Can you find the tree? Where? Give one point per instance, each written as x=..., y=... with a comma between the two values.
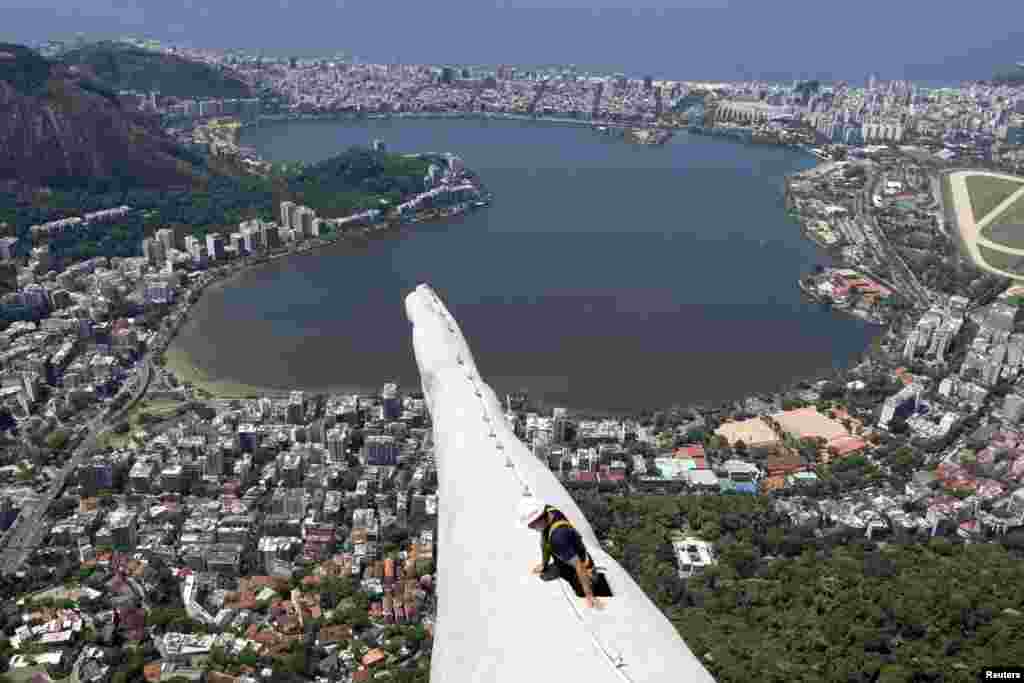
x=424, y=567
x=395, y=535
x=249, y=658
x=57, y=439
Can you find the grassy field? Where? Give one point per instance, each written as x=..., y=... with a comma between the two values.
x=158, y=408
x=161, y=408
x=178, y=362
x=1010, y=263
x=987, y=192
x=1013, y=215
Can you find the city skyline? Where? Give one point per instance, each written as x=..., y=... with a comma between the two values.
x=766, y=43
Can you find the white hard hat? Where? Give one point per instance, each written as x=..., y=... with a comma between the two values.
x=530, y=509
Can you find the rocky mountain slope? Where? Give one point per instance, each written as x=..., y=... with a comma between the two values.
x=126, y=67
x=60, y=127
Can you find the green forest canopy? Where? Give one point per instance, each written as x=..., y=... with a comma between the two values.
x=353, y=180
x=126, y=67
x=23, y=68
x=783, y=605
x=357, y=179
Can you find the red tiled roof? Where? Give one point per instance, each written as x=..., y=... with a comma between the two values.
x=693, y=450
x=989, y=488
x=246, y=600
x=131, y=618
x=374, y=656
x=334, y=634
x=783, y=463
x=266, y=637
x=963, y=483
x=948, y=470
x=846, y=445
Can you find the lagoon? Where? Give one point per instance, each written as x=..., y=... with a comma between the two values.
x=605, y=277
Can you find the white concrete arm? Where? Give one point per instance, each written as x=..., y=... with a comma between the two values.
x=496, y=621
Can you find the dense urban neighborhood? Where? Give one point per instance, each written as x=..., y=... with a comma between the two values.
x=155, y=530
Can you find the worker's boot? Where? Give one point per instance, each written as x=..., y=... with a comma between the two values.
x=551, y=573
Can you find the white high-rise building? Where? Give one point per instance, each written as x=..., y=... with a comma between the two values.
x=1013, y=408
x=286, y=214
x=306, y=218
x=295, y=219
x=336, y=441
x=166, y=238
x=214, y=462
x=215, y=246
x=911, y=392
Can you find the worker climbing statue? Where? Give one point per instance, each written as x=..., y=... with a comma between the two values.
x=563, y=553
x=493, y=621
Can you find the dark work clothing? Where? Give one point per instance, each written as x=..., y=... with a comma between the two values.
x=560, y=540
x=560, y=570
x=561, y=546
x=566, y=545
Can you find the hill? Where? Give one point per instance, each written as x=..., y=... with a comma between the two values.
x=358, y=178
x=59, y=127
x=126, y=67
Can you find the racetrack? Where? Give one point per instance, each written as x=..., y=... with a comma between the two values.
x=970, y=229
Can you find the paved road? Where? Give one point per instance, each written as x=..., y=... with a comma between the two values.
x=887, y=255
x=28, y=529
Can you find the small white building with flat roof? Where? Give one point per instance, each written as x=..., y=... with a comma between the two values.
x=693, y=556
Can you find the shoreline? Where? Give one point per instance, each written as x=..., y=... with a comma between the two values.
x=735, y=134
x=181, y=366
x=177, y=361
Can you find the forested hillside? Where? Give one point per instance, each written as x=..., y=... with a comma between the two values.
x=126, y=67
x=783, y=605
x=356, y=179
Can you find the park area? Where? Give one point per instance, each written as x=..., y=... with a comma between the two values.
x=143, y=414
x=1011, y=215
x=989, y=214
x=987, y=192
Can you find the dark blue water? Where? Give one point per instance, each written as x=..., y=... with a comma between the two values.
x=605, y=276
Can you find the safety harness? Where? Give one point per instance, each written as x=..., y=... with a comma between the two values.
x=556, y=520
